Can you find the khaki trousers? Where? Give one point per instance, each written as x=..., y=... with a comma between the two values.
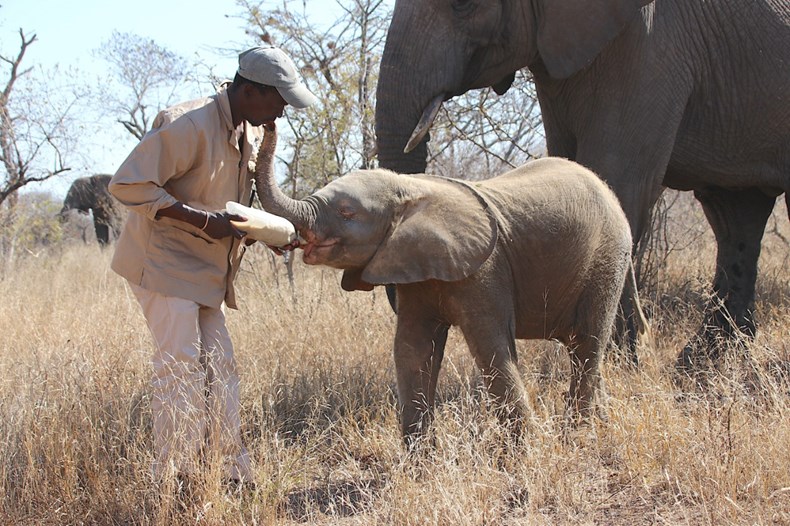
x=195, y=383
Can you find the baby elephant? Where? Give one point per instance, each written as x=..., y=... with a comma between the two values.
x=539, y=252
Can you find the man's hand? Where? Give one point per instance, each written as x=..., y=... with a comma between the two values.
x=216, y=225
x=219, y=225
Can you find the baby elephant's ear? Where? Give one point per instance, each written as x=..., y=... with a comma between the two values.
x=446, y=233
x=352, y=280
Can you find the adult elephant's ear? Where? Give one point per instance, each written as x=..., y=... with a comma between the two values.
x=571, y=33
x=445, y=233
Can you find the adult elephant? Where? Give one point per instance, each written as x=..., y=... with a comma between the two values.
x=91, y=193
x=686, y=94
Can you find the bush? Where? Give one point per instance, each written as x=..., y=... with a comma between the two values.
x=31, y=225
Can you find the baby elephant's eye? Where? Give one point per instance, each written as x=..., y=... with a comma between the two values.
x=347, y=213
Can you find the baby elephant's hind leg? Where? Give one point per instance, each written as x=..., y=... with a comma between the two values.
x=497, y=363
x=585, y=354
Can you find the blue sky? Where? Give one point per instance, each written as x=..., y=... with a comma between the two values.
x=68, y=31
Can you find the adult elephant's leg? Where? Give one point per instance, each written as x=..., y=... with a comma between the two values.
x=636, y=180
x=101, y=223
x=418, y=351
x=738, y=219
x=102, y=232
x=632, y=156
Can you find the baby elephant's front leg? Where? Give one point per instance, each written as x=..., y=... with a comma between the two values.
x=419, y=350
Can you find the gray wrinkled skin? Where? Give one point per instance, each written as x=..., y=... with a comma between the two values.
x=541, y=252
x=687, y=94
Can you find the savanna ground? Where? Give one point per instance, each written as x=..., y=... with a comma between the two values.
x=319, y=409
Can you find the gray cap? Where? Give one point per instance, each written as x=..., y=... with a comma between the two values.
x=270, y=66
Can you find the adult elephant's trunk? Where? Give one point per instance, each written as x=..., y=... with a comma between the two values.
x=392, y=137
x=402, y=94
x=300, y=213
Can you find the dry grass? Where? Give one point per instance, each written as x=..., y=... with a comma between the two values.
x=319, y=418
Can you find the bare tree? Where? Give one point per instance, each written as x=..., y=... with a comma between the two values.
x=35, y=125
x=480, y=134
x=340, y=64
x=477, y=135
x=145, y=77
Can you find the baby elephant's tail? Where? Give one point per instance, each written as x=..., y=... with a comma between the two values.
x=643, y=330
x=637, y=328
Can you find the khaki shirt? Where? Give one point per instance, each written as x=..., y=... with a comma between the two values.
x=191, y=155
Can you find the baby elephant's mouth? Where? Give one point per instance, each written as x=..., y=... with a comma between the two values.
x=315, y=252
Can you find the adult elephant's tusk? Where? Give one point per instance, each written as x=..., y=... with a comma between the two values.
x=428, y=115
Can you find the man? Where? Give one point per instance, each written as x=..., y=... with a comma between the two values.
x=180, y=253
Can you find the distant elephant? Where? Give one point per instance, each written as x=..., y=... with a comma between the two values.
x=90, y=193
x=539, y=252
x=686, y=94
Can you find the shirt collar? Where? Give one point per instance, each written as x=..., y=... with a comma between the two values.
x=224, y=106
x=227, y=117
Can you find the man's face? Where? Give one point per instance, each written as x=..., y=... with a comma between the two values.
x=265, y=105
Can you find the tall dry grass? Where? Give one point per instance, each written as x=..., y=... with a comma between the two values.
x=319, y=418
